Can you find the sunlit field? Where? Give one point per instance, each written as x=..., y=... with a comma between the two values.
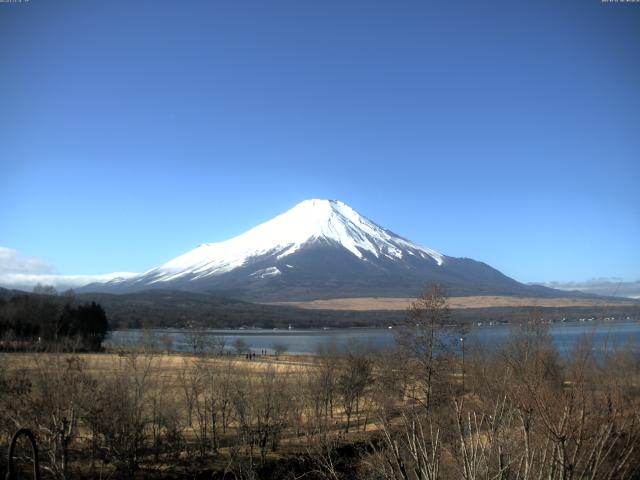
x=422, y=408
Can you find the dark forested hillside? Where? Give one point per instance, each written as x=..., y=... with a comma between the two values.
x=175, y=309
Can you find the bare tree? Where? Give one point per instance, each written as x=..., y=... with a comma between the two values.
x=208, y=403
x=240, y=346
x=196, y=339
x=224, y=393
x=423, y=339
x=217, y=344
x=244, y=410
x=410, y=447
x=279, y=349
x=354, y=378
x=59, y=385
x=321, y=385
x=189, y=381
x=41, y=289
x=123, y=417
x=271, y=402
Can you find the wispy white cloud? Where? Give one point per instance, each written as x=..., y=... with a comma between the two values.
x=21, y=281
x=610, y=287
x=23, y=273
x=12, y=262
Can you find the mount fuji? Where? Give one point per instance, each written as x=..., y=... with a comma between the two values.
x=319, y=249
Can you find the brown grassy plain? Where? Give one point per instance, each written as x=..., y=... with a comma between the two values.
x=170, y=376
x=357, y=415
x=389, y=303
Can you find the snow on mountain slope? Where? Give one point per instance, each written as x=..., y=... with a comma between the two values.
x=309, y=221
x=319, y=249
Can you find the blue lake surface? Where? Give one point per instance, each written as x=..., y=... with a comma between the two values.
x=605, y=336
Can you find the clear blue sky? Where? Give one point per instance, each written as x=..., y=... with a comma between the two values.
x=508, y=132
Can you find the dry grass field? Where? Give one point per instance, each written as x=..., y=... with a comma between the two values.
x=387, y=303
x=172, y=364
x=138, y=412
x=197, y=409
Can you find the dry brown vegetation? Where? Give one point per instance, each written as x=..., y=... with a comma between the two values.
x=421, y=412
x=389, y=303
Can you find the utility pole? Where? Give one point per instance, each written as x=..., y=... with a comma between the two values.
x=462, y=343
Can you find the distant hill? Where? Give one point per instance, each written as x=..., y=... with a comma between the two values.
x=6, y=294
x=163, y=308
x=179, y=309
x=166, y=308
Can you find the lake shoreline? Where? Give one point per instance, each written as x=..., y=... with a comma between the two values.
x=309, y=341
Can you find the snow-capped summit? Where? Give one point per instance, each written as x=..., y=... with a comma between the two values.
x=317, y=249
x=309, y=221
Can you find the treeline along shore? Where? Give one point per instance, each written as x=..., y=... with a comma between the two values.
x=43, y=320
x=175, y=309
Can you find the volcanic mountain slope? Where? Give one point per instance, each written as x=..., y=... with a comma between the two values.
x=320, y=249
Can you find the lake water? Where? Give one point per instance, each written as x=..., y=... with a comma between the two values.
x=606, y=335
